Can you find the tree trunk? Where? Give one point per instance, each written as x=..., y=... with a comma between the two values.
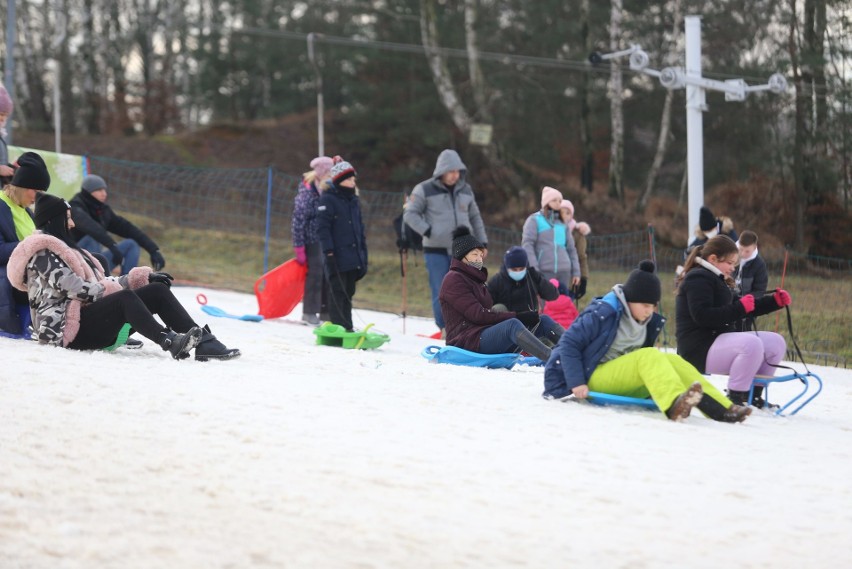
x=90, y=82
x=504, y=176
x=587, y=170
x=665, y=121
x=616, y=158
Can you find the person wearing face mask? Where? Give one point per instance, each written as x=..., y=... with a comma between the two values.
x=519, y=287
x=467, y=307
x=610, y=349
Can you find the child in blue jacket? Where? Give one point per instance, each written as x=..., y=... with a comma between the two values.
x=610, y=349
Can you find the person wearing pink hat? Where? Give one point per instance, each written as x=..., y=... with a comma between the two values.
x=306, y=243
x=549, y=243
x=579, y=230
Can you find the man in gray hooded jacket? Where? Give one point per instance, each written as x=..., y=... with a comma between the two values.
x=437, y=207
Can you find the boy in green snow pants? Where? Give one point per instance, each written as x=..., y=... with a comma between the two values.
x=609, y=349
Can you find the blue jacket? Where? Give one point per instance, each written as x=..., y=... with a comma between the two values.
x=341, y=231
x=8, y=241
x=585, y=342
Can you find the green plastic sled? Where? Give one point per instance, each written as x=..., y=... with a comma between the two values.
x=335, y=335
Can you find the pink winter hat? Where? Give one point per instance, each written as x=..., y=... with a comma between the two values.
x=6, y=105
x=566, y=204
x=321, y=165
x=549, y=194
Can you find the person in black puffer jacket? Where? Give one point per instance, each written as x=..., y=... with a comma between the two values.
x=707, y=312
x=518, y=287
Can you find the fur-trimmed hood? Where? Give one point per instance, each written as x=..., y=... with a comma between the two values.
x=67, y=308
x=583, y=228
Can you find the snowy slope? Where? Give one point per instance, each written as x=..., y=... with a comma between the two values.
x=299, y=455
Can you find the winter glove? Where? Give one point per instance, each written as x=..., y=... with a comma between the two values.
x=580, y=289
x=117, y=257
x=748, y=303
x=782, y=297
x=301, y=258
x=331, y=264
x=427, y=233
x=164, y=278
x=157, y=261
x=529, y=318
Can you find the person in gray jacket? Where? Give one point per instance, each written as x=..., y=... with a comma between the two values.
x=437, y=207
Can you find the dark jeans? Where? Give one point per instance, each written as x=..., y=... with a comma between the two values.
x=341, y=288
x=316, y=285
x=500, y=338
x=101, y=321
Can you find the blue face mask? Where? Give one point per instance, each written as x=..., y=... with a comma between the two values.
x=518, y=275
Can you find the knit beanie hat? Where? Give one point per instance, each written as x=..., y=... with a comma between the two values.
x=47, y=207
x=566, y=204
x=341, y=170
x=515, y=257
x=549, y=194
x=6, y=105
x=321, y=165
x=706, y=219
x=92, y=183
x=643, y=285
x=31, y=173
x=464, y=242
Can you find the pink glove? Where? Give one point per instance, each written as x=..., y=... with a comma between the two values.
x=748, y=303
x=301, y=258
x=782, y=297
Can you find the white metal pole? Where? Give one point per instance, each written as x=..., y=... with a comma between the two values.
x=9, y=77
x=695, y=105
x=320, y=103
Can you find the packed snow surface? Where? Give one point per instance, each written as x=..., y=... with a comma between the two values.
x=299, y=455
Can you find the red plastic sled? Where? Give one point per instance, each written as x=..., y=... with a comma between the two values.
x=281, y=289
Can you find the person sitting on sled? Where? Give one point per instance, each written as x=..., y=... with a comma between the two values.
x=74, y=305
x=467, y=307
x=610, y=349
x=518, y=287
x=708, y=311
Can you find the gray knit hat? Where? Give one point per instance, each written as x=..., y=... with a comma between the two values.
x=92, y=183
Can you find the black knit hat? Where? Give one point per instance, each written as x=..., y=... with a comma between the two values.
x=48, y=207
x=643, y=285
x=31, y=173
x=706, y=219
x=464, y=242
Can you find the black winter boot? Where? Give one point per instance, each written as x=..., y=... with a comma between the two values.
x=179, y=345
x=758, y=401
x=527, y=341
x=209, y=348
x=716, y=411
x=683, y=405
x=738, y=397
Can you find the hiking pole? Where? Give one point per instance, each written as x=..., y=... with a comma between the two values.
x=783, y=274
x=403, y=261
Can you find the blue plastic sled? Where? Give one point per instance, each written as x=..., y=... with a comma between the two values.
x=214, y=311
x=608, y=399
x=458, y=356
x=804, y=378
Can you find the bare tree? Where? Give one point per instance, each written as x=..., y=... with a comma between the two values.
x=587, y=170
x=665, y=120
x=462, y=119
x=616, y=154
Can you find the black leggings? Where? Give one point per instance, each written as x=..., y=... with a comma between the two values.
x=101, y=321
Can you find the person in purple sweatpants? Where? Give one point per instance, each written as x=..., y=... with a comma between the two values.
x=707, y=311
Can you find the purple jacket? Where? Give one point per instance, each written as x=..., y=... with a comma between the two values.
x=305, y=215
x=466, y=305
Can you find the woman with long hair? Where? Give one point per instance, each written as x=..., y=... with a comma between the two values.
x=74, y=305
x=707, y=310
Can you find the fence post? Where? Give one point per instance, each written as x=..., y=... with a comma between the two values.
x=268, y=219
